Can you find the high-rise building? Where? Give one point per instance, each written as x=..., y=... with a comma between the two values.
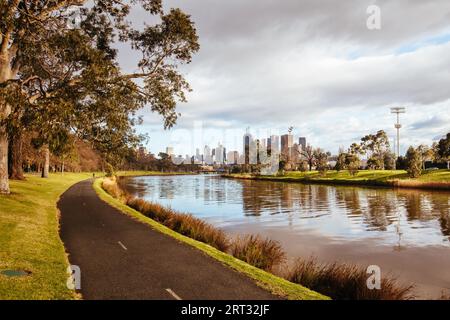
x=219, y=152
x=302, y=142
x=287, y=141
x=273, y=144
x=207, y=157
x=248, y=141
x=232, y=157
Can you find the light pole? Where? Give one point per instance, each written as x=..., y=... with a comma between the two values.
x=397, y=111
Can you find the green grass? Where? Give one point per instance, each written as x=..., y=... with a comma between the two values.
x=29, y=238
x=429, y=179
x=270, y=282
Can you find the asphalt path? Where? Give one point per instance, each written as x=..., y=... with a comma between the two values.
x=121, y=258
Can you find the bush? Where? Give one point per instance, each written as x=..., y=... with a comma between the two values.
x=259, y=252
x=344, y=281
x=236, y=169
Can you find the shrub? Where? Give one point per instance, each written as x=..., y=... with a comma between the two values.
x=109, y=170
x=259, y=252
x=413, y=163
x=344, y=281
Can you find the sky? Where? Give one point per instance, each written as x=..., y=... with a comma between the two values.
x=267, y=65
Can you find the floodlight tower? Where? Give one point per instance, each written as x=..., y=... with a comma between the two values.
x=397, y=111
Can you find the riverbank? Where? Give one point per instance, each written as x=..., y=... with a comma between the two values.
x=430, y=180
x=338, y=280
x=29, y=238
x=150, y=173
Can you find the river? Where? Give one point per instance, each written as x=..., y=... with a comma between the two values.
x=405, y=232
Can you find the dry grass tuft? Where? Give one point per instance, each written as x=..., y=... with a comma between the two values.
x=344, y=281
x=261, y=253
x=186, y=224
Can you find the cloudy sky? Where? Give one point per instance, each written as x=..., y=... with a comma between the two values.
x=314, y=65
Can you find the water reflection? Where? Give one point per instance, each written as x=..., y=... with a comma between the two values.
x=393, y=217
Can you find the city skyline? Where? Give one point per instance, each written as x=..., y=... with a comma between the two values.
x=209, y=155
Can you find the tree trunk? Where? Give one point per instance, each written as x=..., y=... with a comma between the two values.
x=46, y=167
x=4, y=182
x=5, y=111
x=16, y=156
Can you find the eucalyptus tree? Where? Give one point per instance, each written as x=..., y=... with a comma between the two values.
x=43, y=58
x=376, y=146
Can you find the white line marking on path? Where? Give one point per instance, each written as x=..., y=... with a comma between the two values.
x=173, y=294
x=121, y=244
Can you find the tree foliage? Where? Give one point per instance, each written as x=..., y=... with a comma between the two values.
x=413, y=162
x=64, y=78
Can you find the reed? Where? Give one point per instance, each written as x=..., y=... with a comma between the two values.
x=344, y=281
x=186, y=224
x=259, y=252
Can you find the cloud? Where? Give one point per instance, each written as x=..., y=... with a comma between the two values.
x=434, y=121
x=314, y=65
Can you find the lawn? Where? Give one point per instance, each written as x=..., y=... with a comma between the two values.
x=29, y=238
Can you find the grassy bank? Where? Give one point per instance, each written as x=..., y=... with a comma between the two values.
x=149, y=173
x=434, y=180
x=29, y=238
x=274, y=284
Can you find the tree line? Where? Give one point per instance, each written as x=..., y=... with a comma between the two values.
x=376, y=149
x=61, y=82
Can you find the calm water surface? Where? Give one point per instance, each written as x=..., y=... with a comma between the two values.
x=405, y=232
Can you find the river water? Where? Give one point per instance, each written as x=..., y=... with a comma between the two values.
x=405, y=232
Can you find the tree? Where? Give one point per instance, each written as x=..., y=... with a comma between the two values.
x=321, y=160
x=443, y=149
x=389, y=161
x=413, y=162
x=426, y=153
x=352, y=163
x=340, y=161
x=37, y=60
x=376, y=146
x=308, y=156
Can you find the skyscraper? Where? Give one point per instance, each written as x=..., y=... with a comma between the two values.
x=302, y=142
x=207, y=155
x=219, y=154
x=273, y=144
x=248, y=141
x=287, y=141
